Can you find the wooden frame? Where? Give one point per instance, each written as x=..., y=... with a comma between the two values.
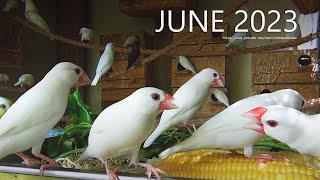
x=10, y=44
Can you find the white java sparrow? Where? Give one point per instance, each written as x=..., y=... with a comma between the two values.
x=105, y=63
x=29, y=119
x=121, y=128
x=298, y=130
x=131, y=40
x=227, y=129
x=238, y=38
x=190, y=97
x=37, y=20
x=221, y=96
x=86, y=34
x=4, y=79
x=4, y=105
x=25, y=80
x=184, y=61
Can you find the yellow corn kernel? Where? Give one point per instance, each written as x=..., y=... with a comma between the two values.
x=212, y=164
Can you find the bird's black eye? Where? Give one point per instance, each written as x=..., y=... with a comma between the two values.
x=3, y=106
x=215, y=75
x=78, y=71
x=155, y=96
x=272, y=123
x=302, y=103
x=214, y=98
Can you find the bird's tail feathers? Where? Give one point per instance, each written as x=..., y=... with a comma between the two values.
x=185, y=145
x=84, y=156
x=155, y=134
x=171, y=150
x=18, y=83
x=95, y=80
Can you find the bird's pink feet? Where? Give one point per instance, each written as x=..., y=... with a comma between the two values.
x=233, y=153
x=111, y=173
x=267, y=157
x=151, y=170
x=28, y=160
x=51, y=163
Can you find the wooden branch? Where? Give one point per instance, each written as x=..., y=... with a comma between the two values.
x=157, y=54
x=272, y=47
x=74, y=42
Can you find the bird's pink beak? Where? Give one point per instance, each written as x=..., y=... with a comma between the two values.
x=255, y=127
x=219, y=82
x=256, y=115
x=168, y=103
x=83, y=79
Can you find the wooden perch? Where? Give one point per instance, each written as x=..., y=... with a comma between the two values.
x=219, y=52
x=71, y=41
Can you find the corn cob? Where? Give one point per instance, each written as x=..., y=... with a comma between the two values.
x=210, y=164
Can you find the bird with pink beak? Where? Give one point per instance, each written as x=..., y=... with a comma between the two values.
x=190, y=98
x=226, y=130
x=38, y=110
x=298, y=130
x=121, y=128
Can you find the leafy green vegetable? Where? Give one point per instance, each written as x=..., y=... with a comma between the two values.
x=75, y=134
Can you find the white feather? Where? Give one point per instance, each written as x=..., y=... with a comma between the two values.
x=25, y=80
x=190, y=97
x=86, y=34
x=221, y=96
x=184, y=61
x=121, y=128
x=37, y=20
x=28, y=120
x=30, y=6
x=298, y=130
x=226, y=129
x=105, y=63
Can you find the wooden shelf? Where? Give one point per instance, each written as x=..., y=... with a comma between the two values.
x=12, y=89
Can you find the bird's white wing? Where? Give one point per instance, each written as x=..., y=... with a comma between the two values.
x=105, y=63
x=222, y=97
x=30, y=6
x=187, y=64
x=22, y=115
x=37, y=20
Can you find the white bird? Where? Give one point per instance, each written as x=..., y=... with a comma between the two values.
x=105, y=63
x=190, y=97
x=10, y=5
x=4, y=105
x=298, y=130
x=29, y=119
x=37, y=20
x=121, y=128
x=4, y=79
x=130, y=41
x=30, y=6
x=238, y=38
x=227, y=130
x=221, y=96
x=25, y=80
x=86, y=34
x=184, y=61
